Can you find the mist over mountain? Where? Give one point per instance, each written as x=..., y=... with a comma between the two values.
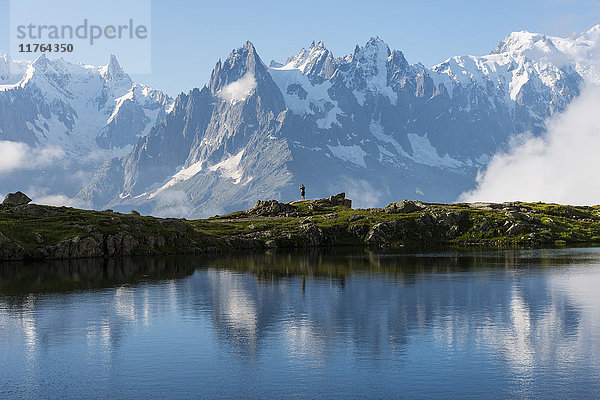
x=368, y=123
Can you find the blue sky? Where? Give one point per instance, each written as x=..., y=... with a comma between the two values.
x=188, y=37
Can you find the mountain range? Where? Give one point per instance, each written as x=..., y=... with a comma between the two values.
x=60, y=121
x=369, y=123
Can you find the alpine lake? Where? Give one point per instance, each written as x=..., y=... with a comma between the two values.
x=349, y=323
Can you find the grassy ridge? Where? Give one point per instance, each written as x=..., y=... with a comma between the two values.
x=37, y=232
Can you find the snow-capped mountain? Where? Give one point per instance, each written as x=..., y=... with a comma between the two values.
x=81, y=114
x=368, y=123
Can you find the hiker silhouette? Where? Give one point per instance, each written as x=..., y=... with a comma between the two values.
x=302, y=191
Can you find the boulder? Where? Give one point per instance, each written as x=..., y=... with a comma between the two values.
x=15, y=199
x=340, y=200
x=270, y=208
x=405, y=206
x=331, y=201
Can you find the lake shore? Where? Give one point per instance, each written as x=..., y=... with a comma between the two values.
x=37, y=232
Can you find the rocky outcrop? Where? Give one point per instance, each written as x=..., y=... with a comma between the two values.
x=15, y=199
x=10, y=250
x=30, y=231
x=117, y=245
x=333, y=201
x=271, y=208
x=386, y=233
x=405, y=206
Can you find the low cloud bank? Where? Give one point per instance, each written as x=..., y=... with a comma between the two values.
x=17, y=155
x=561, y=166
x=60, y=200
x=173, y=204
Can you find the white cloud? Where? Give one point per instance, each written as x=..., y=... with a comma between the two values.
x=362, y=193
x=47, y=155
x=12, y=155
x=238, y=90
x=44, y=196
x=561, y=166
x=17, y=155
x=173, y=204
x=60, y=200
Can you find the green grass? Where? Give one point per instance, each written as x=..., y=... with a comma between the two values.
x=450, y=224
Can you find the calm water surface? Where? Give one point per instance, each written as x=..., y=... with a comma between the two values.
x=476, y=324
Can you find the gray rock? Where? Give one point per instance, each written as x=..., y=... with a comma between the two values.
x=270, y=208
x=271, y=244
x=39, y=239
x=405, y=206
x=312, y=236
x=384, y=233
x=516, y=229
x=15, y=199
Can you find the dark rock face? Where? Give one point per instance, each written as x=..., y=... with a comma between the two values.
x=10, y=250
x=96, y=244
x=15, y=199
x=383, y=233
x=427, y=226
x=313, y=236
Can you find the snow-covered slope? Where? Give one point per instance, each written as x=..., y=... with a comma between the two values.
x=87, y=114
x=368, y=123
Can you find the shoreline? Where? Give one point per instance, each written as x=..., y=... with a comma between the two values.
x=36, y=232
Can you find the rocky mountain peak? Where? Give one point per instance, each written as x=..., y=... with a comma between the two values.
x=316, y=61
x=242, y=62
x=113, y=71
x=319, y=45
x=372, y=57
x=377, y=125
x=374, y=45
x=41, y=62
x=9, y=68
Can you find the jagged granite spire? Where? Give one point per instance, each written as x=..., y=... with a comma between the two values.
x=113, y=71
x=316, y=61
x=240, y=62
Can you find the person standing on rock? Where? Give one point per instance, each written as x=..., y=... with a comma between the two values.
x=302, y=192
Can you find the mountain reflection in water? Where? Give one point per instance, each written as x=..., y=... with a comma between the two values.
x=512, y=323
